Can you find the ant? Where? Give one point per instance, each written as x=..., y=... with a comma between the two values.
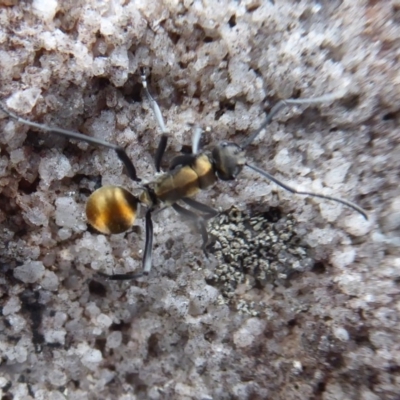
x=113, y=209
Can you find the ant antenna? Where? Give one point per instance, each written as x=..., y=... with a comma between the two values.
x=78, y=136
x=290, y=102
x=321, y=196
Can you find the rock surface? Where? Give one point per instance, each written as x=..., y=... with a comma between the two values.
x=326, y=327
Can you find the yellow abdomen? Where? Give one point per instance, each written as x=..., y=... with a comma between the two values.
x=111, y=209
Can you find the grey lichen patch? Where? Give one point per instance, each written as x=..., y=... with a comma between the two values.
x=254, y=250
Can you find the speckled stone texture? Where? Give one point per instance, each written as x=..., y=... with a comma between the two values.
x=325, y=328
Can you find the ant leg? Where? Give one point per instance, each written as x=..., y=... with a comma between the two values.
x=121, y=277
x=290, y=102
x=199, y=221
x=147, y=255
x=196, y=139
x=204, y=208
x=159, y=118
x=186, y=159
x=148, y=248
x=78, y=136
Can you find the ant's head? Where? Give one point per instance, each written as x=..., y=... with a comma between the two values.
x=229, y=160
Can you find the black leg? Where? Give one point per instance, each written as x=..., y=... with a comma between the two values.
x=148, y=248
x=199, y=221
x=147, y=255
x=204, y=208
x=185, y=159
x=121, y=277
x=78, y=136
x=162, y=145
